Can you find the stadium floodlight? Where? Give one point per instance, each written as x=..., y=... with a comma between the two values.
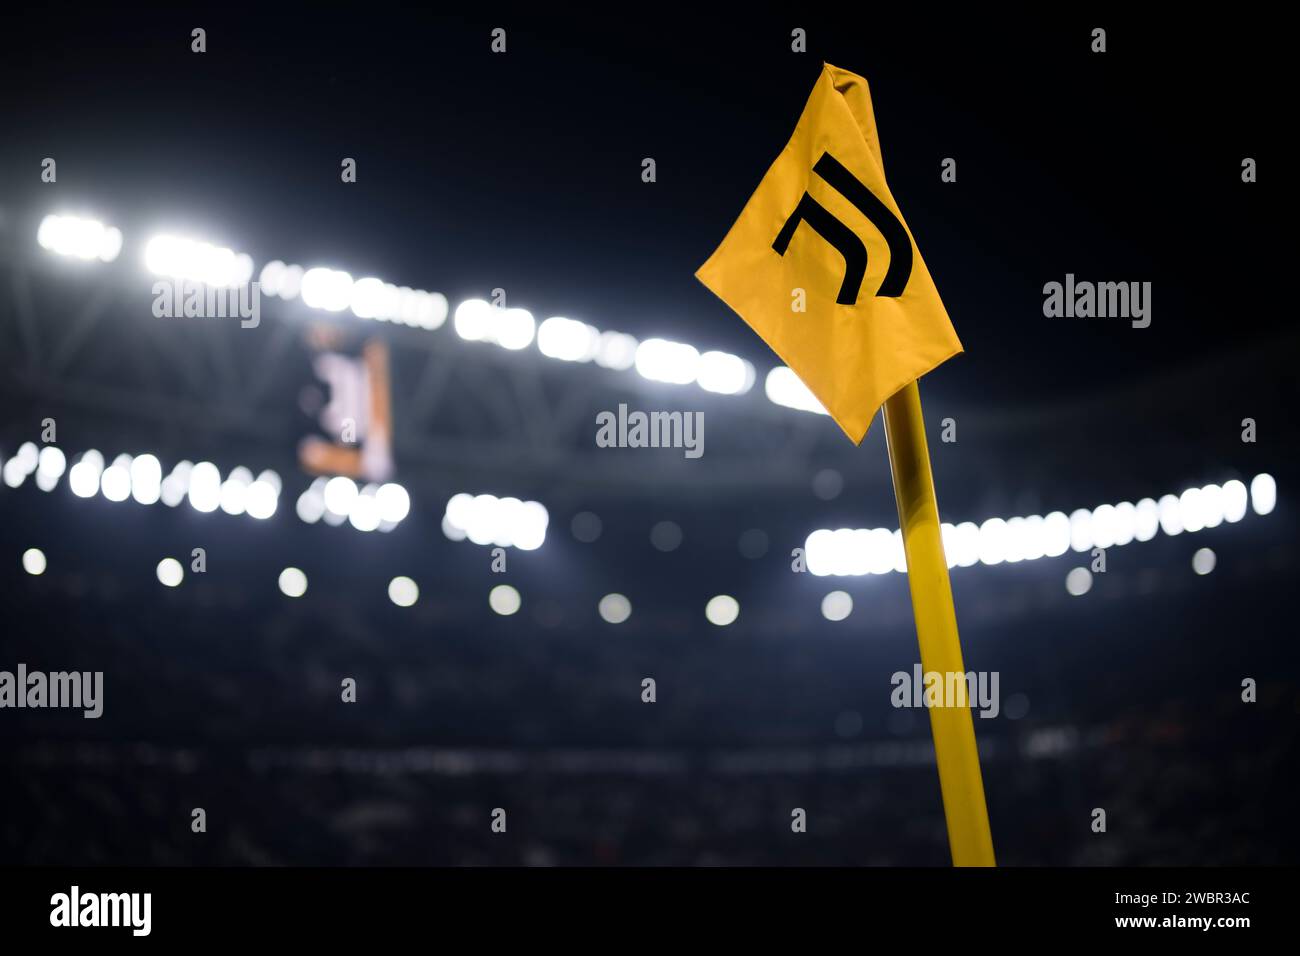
x=1235, y=501
x=363, y=512
x=1016, y=540
x=83, y=477
x=887, y=551
x=1263, y=494
x=850, y=551
x=1190, y=510
x=311, y=503
x=14, y=473
x=291, y=282
x=419, y=308
x=459, y=509
x=1146, y=520
x=170, y=573
x=431, y=309
x=281, y=280
x=472, y=320
x=1056, y=534
x=1081, y=530
x=269, y=476
x=28, y=457
x=394, y=502
x=617, y=351
x=479, y=321
x=530, y=533
x=79, y=238
x=660, y=360
x=725, y=374
x=177, y=484
x=614, y=608
x=268, y=280
x=402, y=591
x=407, y=307
x=965, y=544
x=1078, y=582
x=1211, y=506
x=837, y=605
x=293, y=583
x=1203, y=561
x=514, y=329
x=115, y=482
x=1104, y=526
x=1171, y=518
x=339, y=493
x=504, y=522
x=51, y=461
x=34, y=561
x=508, y=521
x=722, y=610
x=371, y=299
x=568, y=340
x=234, y=491
x=262, y=499
x=205, y=487
x=1125, y=523
x=310, y=507
x=484, y=525
x=783, y=387
x=853, y=550
x=25, y=461
x=146, y=479
x=819, y=552
x=899, y=552
x=327, y=289
x=993, y=541
x=504, y=600
x=182, y=258
x=1036, y=540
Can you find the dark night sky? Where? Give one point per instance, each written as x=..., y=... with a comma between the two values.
x=522, y=171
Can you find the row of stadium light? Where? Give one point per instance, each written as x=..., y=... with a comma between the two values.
x=141, y=478
x=503, y=599
x=721, y=610
x=372, y=507
x=79, y=238
x=502, y=522
x=475, y=320
x=482, y=519
x=859, y=551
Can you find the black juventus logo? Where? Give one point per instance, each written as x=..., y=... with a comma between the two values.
x=845, y=240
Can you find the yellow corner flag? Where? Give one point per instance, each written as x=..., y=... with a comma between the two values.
x=821, y=265
x=823, y=268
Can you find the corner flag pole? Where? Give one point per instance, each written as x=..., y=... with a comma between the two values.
x=969, y=837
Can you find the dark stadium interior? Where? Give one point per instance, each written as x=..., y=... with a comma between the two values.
x=523, y=172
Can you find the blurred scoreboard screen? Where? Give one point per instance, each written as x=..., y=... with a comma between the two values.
x=348, y=406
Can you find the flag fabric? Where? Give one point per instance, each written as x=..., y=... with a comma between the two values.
x=822, y=266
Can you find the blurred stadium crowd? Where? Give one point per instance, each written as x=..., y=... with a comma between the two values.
x=225, y=696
